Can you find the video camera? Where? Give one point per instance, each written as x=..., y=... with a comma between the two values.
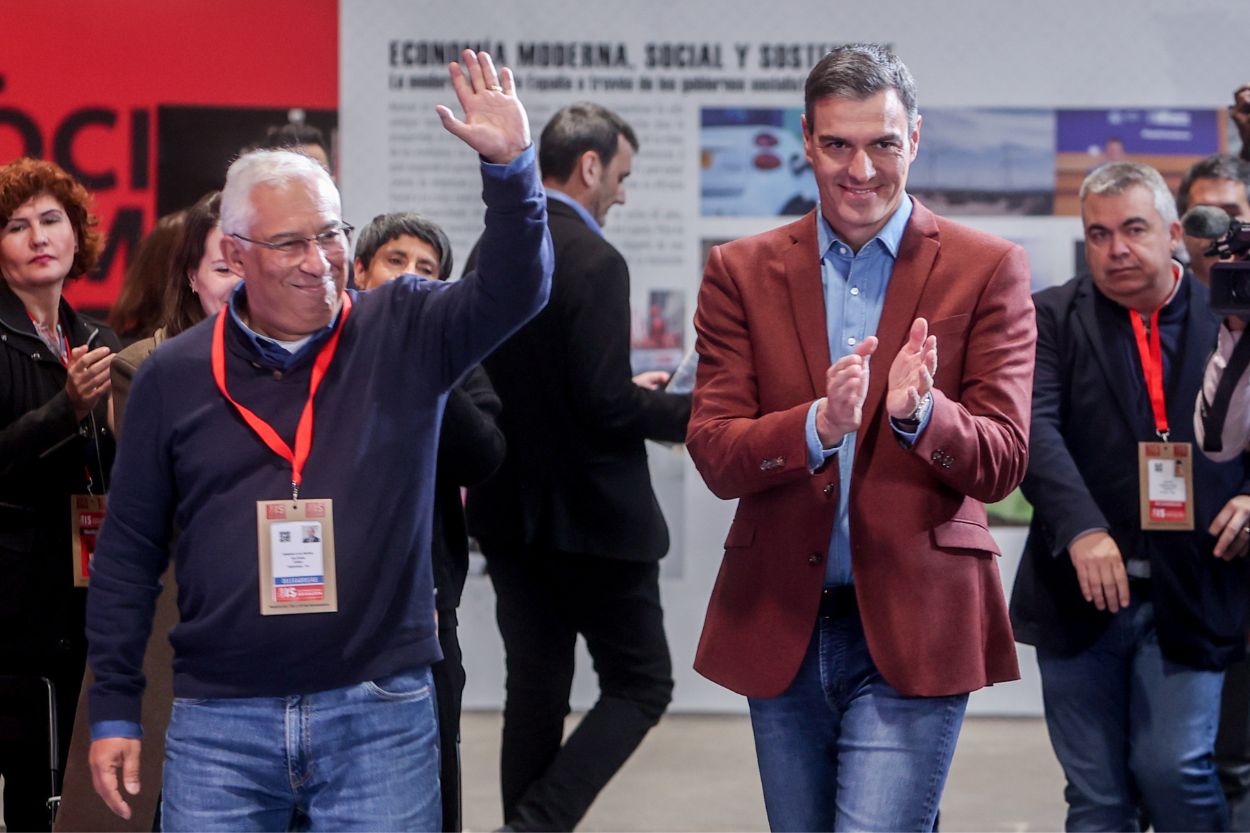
x=1230, y=277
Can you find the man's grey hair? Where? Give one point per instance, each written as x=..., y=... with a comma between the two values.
x=1117, y=177
x=1217, y=166
x=858, y=71
x=262, y=167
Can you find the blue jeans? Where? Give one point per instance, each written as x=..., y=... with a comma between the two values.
x=841, y=749
x=363, y=757
x=1134, y=731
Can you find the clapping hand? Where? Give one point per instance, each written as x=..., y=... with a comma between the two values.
x=912, y=372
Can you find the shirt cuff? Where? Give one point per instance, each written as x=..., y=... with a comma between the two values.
x=116, y=729
x=817, y=454
x=498, y=171
x=910, y=437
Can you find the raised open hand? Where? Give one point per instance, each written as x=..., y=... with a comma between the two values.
x=494, y=124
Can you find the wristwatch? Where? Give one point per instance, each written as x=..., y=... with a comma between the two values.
x=912, y=421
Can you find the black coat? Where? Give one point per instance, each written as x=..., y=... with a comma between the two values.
x=1083, y=474
x=470, y=449
x=575, y=477
x=46, y=455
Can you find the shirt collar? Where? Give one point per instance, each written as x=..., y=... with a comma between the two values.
x=890, y=236
x=560, y=196
x=273, y=354
x=1174, y=306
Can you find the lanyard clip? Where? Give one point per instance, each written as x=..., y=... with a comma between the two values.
x=294, y=490
x=1163, y=435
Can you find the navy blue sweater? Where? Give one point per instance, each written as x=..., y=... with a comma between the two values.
x=189, y=461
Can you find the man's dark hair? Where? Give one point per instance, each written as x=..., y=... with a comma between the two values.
x=858, y=71
x=1217, y=166
x=575, y=129
x=291, y=136
x=384, y=228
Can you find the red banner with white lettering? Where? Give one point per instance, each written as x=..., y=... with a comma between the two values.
x=146, y=102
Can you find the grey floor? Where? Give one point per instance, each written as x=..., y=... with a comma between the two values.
x=697, y=772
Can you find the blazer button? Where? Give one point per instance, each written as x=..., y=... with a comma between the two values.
x=813, y=559
x=828, y=490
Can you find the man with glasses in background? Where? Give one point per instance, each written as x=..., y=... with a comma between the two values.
x=302, y=667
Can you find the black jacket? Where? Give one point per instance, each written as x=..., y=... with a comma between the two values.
x=1089, y=413
x=575, y=477
x=470, y=449
x=46, y=455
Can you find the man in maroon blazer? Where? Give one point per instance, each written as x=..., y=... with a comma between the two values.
x=863, y=389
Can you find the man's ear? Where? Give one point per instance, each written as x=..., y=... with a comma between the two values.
x=232, y=253
x=1176, y=233
x=362, y=276
x=807, y=140
x=589, y=168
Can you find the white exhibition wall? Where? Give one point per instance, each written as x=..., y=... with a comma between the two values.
x=1018, y=100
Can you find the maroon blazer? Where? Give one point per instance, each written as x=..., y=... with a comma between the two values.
x=926, y=579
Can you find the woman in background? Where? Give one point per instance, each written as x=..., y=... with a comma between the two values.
x=139, y=306
x=198, y=284
x=54, y=443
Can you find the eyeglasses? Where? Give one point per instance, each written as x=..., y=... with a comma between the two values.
x=331, y=241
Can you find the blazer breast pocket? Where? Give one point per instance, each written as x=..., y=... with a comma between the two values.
x=954, y=325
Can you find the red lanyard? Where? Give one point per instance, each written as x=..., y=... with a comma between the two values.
x=1151, y=351
x=304, y=433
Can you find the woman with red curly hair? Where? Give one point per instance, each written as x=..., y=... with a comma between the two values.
x=54, y=444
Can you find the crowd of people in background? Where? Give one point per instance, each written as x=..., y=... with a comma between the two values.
x=271, y=615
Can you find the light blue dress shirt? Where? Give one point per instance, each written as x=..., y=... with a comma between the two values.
x=854, y=285
x=560, y=196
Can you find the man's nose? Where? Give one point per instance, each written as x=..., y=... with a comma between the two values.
x=315, y=261
x=861, y=167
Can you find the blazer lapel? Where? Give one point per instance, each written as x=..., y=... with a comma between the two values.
x=807, y=301
x=1097, y=319
x=916, y=254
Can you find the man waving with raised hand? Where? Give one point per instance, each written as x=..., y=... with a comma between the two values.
x=302, y=667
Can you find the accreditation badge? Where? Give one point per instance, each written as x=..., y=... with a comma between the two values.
x=86, y=516
x=1166, y=475
x=295, y=542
